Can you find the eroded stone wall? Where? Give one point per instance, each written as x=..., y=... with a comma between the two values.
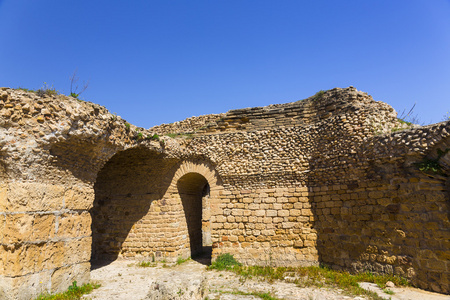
x=52, y=148
x=327, y=179
x=334, y=182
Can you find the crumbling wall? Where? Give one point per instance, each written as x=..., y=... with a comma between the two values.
x=266, y=214
x=52, y=148
x=327, y=179
x=383, y=214
x=189, y=125
x=331, y=179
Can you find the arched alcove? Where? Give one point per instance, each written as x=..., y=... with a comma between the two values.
x=128, y=211
x=194, y=192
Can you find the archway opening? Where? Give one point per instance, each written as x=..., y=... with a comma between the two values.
x=123, y=222
x=194, y=192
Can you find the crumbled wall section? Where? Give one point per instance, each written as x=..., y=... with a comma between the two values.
x=52, y=148
x=189, y=125
x=332, y=179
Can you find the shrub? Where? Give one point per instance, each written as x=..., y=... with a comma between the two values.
x=318, y=95
x=224, y=262
x=47, y=90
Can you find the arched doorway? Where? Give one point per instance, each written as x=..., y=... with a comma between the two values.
x=194, y=191
x=196, y=186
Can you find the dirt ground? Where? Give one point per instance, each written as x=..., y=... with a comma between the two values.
x=124, y=279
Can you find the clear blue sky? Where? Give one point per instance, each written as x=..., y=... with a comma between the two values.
x=155, y=62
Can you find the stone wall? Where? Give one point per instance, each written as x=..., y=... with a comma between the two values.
x=52, y=148
x=329, y=179
x=189, y=125
x=340, y=186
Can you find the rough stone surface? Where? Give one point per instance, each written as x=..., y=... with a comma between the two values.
x=331, y=179
x=185, y=283
x=124, y=280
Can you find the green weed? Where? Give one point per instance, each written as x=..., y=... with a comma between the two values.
x=154, y=137
x=44, y=90
x=146, y=264
x=73, y=292
x=224, y=261
x=431, y=165
x=181, y=135
x=318, y=95
x=26, y=90
x=321, y=276
x=139, y=136
x=401, y=121
x=388, y=291
x=182, y=260
x=264, y=296
x=47, y=90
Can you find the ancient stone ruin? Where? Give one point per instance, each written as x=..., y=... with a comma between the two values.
x=334, y=179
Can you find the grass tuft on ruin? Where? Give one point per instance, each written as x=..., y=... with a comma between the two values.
x=74, y=292
x=318, y=276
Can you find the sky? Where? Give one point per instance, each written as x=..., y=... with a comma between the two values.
x=161, y=61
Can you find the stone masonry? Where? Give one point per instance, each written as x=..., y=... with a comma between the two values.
x=334, y=179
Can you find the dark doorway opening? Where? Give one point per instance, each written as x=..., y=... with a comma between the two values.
x=194, y=191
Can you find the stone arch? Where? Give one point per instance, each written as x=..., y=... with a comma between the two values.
x=196, y=185
x=129, y=208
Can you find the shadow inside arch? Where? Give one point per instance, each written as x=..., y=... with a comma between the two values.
x=125, y=188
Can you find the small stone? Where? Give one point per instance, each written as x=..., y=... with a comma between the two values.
x=45, y=111
x=390, y=284
x=26, y=107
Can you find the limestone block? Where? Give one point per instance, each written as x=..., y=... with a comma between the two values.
x=3, y=196
x=2, y=228
x=24, y=287
x=21, y=259
x=295, y=212
x=74, y=225
x=79, y=198
x=283, y=213
x=26, y=196
x=77, y=250
x=56, y=255
x=260, y=213
x=43, y=227
x=177, y=285
x=63, y=277
x=18, y=228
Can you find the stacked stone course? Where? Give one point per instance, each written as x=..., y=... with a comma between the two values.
x=328, y=179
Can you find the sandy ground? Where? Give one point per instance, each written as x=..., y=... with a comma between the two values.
x=124, y=279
